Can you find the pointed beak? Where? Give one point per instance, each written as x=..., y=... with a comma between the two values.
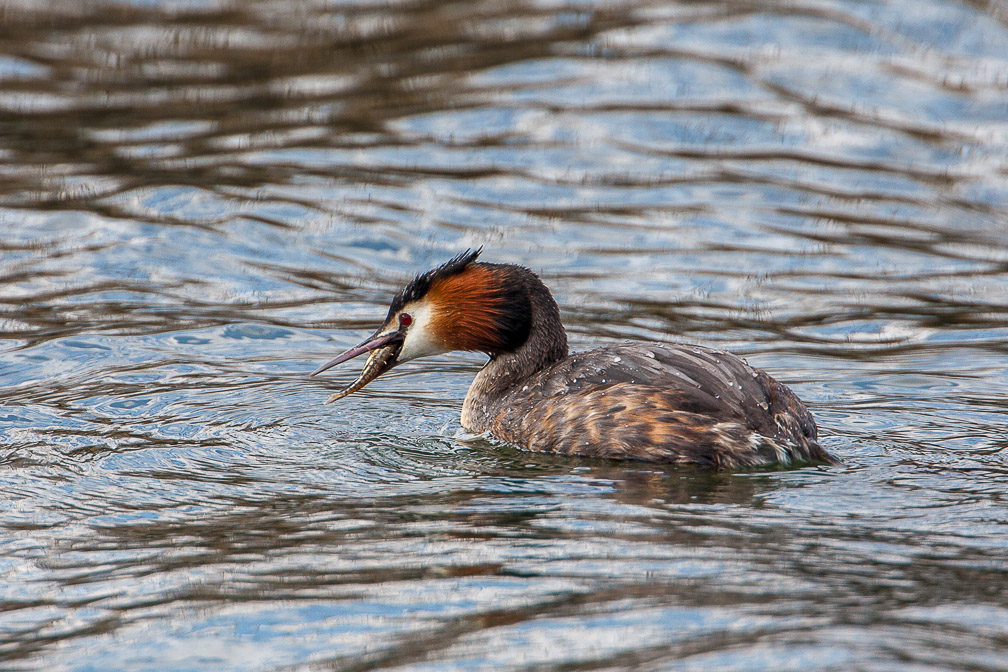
x=383, y=349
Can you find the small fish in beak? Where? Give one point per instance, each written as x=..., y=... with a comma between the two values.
x=383, y=352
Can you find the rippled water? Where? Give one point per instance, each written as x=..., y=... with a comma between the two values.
x=201, y=202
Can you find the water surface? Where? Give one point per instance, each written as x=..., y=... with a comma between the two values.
x=200, y=202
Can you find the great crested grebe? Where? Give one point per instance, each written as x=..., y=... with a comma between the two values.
x=673, y=403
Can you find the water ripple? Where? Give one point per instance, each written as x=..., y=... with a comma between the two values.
x=200, y=202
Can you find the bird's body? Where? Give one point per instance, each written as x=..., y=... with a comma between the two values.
x=653, y=402
x=656, y=402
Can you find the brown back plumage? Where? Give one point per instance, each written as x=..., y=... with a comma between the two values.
x=658, y=403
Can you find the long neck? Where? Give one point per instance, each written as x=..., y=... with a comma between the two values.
x=546, y=343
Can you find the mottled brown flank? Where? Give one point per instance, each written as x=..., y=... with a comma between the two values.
x=675, y=404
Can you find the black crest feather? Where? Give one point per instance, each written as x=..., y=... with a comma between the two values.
x=420, y=285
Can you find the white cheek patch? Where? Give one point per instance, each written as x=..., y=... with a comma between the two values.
x=421, y=341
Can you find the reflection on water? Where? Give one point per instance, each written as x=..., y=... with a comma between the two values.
x=200, y=202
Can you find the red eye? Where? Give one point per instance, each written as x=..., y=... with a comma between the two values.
x=405, y=319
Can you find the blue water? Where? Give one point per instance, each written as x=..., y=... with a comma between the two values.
x=199, y=204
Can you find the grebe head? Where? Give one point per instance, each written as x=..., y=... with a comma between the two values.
x=460, y=305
